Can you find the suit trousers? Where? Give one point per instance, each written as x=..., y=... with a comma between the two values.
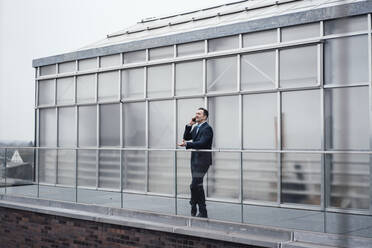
x=197, y=191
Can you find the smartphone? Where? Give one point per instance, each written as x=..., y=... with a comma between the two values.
x=194, y=119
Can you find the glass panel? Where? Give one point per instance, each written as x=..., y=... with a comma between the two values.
x=109, y=169
x=186, y=109
x=86, y=88
x=134, y=166
x=134, y=117
x=222, y=74
x=349, y=180
x=225, y=124
x=99, y=197
x=184, y=175
x=161, y=53
x=190, y=48
x=298, y=67
x=159, y=81
x=88, y=126
x=260, y=121
x=47, y=166
x=345, y=25
x=258, y=71
x=66, y=167
x=347, y=223
x=347, y=118
x=158, y=204
x=108, y=86
x=260, y=176
x=110, y=60
x=134, y=57
x=67, y=67
x=350, y=65
x=66, y=127
x=299, y=32
x=189, y=78
x=65, y=90
x=109, y=125
x=301, y=178
x=223, y=176
x=161, y=133
x=224, y=43
x=47, y=70
x=20, y=172
x=87, y=64
x=87, y=168
x=260, y=38
x=301, y=120
x=46, y=92
x=48, y=127
x=132, y=81
x=161, y=172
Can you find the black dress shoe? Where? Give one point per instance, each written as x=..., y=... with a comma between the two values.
x=202, y=215
x=193, y=210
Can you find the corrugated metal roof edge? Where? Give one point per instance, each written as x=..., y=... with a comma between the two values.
x=302, y=17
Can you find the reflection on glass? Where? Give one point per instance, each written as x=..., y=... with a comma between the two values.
x=260, y=176
x=223, y=176
x=301, y=178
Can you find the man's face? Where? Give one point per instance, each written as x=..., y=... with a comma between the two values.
x=200, y=117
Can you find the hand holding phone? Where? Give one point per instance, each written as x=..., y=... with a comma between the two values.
x=193, y=121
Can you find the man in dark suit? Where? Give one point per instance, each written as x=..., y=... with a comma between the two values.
x=201, y=136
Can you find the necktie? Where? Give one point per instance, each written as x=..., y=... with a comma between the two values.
x=197, y=128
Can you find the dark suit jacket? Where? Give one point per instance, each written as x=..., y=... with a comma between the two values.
x=201, y=140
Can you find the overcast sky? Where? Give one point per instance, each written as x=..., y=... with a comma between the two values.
x=32, y=29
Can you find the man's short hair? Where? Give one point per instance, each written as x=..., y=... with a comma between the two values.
x=205, y=112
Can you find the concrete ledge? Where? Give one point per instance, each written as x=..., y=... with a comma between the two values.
x=254, y=235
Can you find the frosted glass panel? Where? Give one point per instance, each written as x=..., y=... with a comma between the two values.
x=347, y=118
x=134, y=166
x=224, y=119
x=47, y=70
x=186, y=109
x=301, y=32
x=161, y=172
x=87, y=168
x=301, y=178
x=109, y=169
x=190, y=48
x=260, y=176
x=350, y=65
x=260, y=38
x=67, y=67
x=48, y=127
x=65, y=90
x=159, y=81
x=189, y=78
x=135, y=57
x=298, y=67
x=260, y=121
x=161, y=119
x=183, y=173
x=349, y=180
x=132, y=81
x=223, y=176
x=346, y=25
x=258, y=71
x=66, y=127
x=46, y=92
x=66, y=167
x=86, y=88
x=47, y=166
x=108, y=86
x=111, y=60
x=88, y=126
x=222, y=74
x=161, y=53
x=87, y=64
x=224, y=43
x=134, y=116
x=301, y=119
x=109, y=125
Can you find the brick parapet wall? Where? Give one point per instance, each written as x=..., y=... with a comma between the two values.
x=20, y=228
